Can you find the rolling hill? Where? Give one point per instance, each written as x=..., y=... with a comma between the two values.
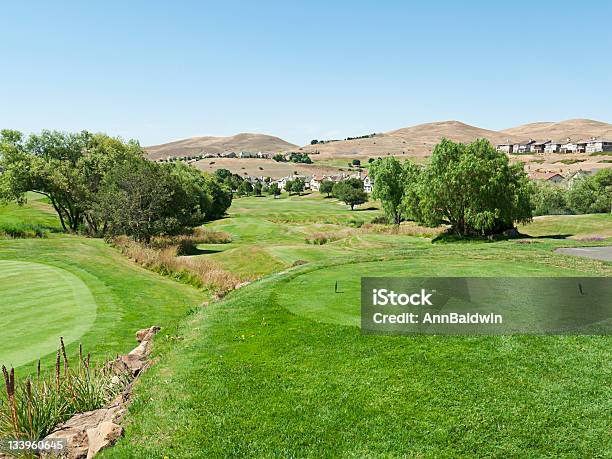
x=412, y=141
x=576, y=129
x=236, y=143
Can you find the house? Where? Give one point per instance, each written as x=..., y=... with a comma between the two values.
x=507, y=147
x=262, y=155
x=522, y=147
x=368, y=184
x=539, y=146
x=552, y=177
x=574, y=147
x=553, y=147
x=598, y=145
x=579, y=174
x=227, y=154
x=315, y=182
x=246, y=154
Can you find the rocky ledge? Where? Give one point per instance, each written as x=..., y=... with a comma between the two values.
x=88, y=433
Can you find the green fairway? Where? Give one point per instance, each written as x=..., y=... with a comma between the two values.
x=280, y=368
x=42, y=303
x=323, y=304
x=574, y=226
x=79, y=288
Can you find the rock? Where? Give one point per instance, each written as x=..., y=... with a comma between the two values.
x=143, y=334
x=105, y=434
x=88, y=433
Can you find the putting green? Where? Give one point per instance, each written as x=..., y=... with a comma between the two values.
x=313, y=294
x=40, y=303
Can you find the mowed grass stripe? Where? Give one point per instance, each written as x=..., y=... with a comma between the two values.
x=42, y=303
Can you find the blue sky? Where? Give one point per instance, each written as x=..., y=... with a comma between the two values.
x=159, y=71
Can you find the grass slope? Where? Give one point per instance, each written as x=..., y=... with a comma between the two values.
x=278, y=368
x=81, y=288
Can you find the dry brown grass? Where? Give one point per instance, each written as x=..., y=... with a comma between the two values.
x=323, y=237
x=167, y=260
x=404, y=229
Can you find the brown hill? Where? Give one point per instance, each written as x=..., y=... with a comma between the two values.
x=576, y=129
x=411, y=141
x=236, y=143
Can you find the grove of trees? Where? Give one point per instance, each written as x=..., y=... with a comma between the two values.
x=590, y=194
x=471, y=187
x=104, y=186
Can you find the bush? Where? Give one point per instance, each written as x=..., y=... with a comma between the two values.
x=22, y=231
x=33, y=407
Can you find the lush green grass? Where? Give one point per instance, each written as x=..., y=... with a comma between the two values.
x=79, y=288
x=45, y=302
x=35, y=212
x=250, y=378
x=279, y=369
x=572, y=226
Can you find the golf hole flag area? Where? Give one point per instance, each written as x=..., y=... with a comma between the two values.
x=39, y=304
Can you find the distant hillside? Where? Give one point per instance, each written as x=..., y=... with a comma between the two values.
x=578, y=129
x=412, y=141
x=240, y=142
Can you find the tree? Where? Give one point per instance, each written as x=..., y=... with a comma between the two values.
x=221, y=197
x=549, y=199
x=592, y=194
x=326, y=187
x=473, y=188
x=299, y=158
x=245, y=188
x=223, y=174
x=350, y=192
x=66, y=168
x=274, y=189
x=389, y=186
x=297, y=186
x=279, y=158
x=257, y=188
x=314, y=142
x=356, y=162
x=141, y=199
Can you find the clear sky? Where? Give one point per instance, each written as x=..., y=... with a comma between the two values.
x=159, y=71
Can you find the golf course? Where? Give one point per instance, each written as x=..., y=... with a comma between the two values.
x=279, y=368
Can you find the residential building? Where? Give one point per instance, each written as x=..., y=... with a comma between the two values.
x=522, y=147
x=553, y=147
x=598, y=145
x=538, y=146
x=552, y=177
x=368, y=184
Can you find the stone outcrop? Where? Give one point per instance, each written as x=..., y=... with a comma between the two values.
x=88, y=433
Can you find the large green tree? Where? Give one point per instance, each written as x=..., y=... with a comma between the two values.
x=68, y=168
x=350, y=191
x=473, y=188
x=390, y=178
x=140, y=199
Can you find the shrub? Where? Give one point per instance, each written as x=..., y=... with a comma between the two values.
x=22, y=231
x=33, y=407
